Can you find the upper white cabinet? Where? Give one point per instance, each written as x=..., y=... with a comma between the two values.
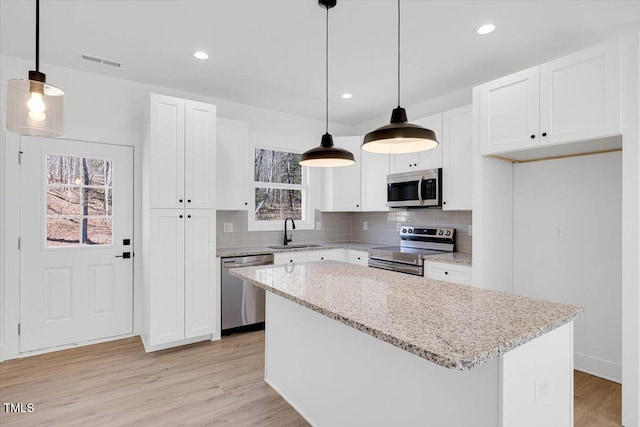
x=183, y=135
x=569, y=99
x=456, y=158
x=375, y=168
x=233, y=165
x=342, y=184
x=430, y=159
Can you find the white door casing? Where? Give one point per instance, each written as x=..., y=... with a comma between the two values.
x=70, y=292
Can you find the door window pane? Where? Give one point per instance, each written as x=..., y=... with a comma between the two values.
x=79, y=201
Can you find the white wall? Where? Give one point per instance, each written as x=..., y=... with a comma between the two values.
x=580, y=198
x=101, y=108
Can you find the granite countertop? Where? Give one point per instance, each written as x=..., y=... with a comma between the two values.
x=263, y=250
x=450, y=258
x=455, y=326
x=459, y=258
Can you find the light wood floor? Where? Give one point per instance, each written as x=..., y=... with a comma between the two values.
x=212, y=383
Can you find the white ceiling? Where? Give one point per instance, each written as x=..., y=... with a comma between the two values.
x=271, y=53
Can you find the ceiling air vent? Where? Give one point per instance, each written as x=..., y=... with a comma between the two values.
x=99, y=60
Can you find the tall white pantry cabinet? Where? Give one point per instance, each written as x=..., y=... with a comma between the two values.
x=180, y=299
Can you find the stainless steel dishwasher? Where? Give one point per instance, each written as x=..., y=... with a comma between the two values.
x=242, y=303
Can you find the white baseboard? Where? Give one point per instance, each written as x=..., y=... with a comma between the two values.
x=598, y=367
x=149, y=348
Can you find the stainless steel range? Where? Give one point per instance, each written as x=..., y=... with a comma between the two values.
x=414, y=243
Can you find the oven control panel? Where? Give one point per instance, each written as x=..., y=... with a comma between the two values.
x=437, y=233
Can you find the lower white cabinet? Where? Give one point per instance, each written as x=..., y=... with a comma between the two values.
x=313, y=255
x=357, y=257
x=180, y=280
x=453, y=273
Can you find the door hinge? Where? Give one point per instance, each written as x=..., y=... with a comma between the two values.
x=19, y=243
x=18, y=328
x=19, y=157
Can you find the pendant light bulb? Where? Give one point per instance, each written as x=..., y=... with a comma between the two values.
x=327, y=155
x=27, y=100
x=399, y=136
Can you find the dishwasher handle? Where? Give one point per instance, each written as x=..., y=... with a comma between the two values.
x=233, y=264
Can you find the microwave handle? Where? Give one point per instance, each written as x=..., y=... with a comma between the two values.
x=420, y=190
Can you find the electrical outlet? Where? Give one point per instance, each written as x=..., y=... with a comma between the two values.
x=365, y=225
x=559, y=234
x=398, y=226
x=227, y=227
x=543, y=388
x=318, y=225
x=470, y=229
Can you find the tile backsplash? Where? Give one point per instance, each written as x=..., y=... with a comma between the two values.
x=382, y=228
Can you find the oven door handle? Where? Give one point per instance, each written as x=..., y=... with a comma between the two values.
x=395, y=266
x=420, y=189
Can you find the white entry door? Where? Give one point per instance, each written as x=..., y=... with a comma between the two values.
x=76, y=279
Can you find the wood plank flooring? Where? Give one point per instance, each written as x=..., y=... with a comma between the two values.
x=206, y=384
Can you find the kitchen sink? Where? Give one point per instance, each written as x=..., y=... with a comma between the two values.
x=299, y=246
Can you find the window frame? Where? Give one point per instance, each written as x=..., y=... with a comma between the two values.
x=307, y=222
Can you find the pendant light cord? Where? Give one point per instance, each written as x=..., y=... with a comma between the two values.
x=327, y=73
x=398, y=53
x=37, y=35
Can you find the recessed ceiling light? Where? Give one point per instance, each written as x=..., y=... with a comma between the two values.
x=201, y=55
x=347, y=96
x=485, y=29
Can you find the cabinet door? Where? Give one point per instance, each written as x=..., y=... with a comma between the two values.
x=329, y=254
x=200, y=300
x=342, y=185
x=509, y=112
x=200, y=155
x=166, y=275
x=580, y=95
x=375, y=168
x=289, y=257
x=166, y=152
x=456, y=159
x=232, y=160
x=429, y=159
x=357, y=257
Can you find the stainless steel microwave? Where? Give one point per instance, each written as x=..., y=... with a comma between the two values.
x=415, y=189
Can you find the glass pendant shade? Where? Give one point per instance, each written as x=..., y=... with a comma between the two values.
x=35, y=108
x=327, y=155
x=399, y=136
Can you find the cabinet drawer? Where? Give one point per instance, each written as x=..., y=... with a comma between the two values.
x=357, y=257
x=330, y=254
x=460, y=274
x=289, y=257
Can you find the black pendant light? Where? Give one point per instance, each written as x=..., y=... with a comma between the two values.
x=327, y=155
x=399, y=136
x=33, y=106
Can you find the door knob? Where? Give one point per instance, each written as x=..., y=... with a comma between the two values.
x=124, y=255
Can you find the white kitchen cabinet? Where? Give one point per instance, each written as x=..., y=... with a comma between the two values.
x=430, y=159
x=232, y=165
x=453, y=273
x=289, y=257
x=354, y=256
x=573, y=98
x=456, y=158
x=328, y=254
x=342, y=184
x=375, y=168
x=181, y=152
x=182, y=298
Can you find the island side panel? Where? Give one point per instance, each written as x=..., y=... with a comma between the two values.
x=334, y=375
x=537, y=381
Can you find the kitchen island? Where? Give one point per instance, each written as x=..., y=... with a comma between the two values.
x=353, y=345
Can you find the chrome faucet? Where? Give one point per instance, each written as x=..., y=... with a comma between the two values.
x=293, y=225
